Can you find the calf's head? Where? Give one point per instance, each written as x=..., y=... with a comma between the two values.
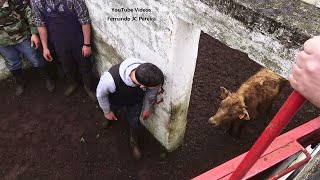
x=231, y=107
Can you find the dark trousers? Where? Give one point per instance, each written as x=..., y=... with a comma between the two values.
x=72, y=60
x=66, y=38
x=133, y=114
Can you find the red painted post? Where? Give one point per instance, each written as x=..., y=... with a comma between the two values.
x=280, y=120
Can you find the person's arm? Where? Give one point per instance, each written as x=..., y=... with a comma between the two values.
x=84, y=19
x=86, y=49
x=42, y=29
x=35, y=41
x=148, y=101
x=43, y=32
x=305, y=75
x=86, y=33
x=105, y=87
x=28, y=15
x=37, y=15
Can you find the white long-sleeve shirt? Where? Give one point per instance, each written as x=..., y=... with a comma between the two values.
x=107, y=85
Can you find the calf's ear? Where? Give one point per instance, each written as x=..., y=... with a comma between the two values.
x=244, y=115
x=224, y=93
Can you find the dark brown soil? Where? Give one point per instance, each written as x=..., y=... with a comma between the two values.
x=49, y=136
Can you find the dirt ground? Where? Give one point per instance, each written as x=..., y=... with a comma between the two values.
x=49, y=136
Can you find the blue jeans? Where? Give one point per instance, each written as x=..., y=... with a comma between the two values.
x=133, y=115
x=12, y=55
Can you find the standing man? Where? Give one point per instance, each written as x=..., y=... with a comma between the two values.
x=133, y=84
x=19, y=37
x=64, y=28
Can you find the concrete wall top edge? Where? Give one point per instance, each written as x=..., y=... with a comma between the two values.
x=299, y=18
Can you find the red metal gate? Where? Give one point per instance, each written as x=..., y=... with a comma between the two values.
x=282, y=147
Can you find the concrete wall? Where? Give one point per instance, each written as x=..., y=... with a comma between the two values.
x=166, y=33
x=270, y=32
x=164, y=40
x=313, y=2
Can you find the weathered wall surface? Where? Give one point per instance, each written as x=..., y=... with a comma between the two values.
x=156, y=36
x=118, y=34
x=313, y=2
x=271, y=32
x=141, y=38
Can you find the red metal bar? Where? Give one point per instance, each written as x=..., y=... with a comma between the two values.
x=280, y=149
x=295, y=166
x=280, y=120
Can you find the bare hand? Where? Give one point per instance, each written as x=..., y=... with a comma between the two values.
x=110, y=116
x=145, y=114
x=35, y=41
x=306, y=72
x=86, y=51
x=47, y=55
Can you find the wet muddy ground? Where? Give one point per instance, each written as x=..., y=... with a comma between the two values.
x=49, y=136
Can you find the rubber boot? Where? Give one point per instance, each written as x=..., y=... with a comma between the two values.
x=20, y=82
x=45, y=75
x=87, y=83
x=73, y=85
x=136, y=152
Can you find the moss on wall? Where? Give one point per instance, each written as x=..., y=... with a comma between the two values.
x=104, y=55
x=177, y=124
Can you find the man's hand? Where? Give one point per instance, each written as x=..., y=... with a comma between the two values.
x=110, y=116
x=35, y=41
x=145, y=114
x=305, y=75
x=47, y=55
x=86, y=51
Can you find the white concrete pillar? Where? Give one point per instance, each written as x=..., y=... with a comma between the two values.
x=168, y=124
x=182, y=56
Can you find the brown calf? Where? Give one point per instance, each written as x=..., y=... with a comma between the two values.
x=253, y=97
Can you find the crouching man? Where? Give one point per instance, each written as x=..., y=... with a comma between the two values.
x=133, y=84
x=18, y=37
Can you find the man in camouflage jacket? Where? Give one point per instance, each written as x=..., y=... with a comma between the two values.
x=19, y=37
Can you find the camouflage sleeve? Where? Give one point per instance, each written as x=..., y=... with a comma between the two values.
x=29, y=16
